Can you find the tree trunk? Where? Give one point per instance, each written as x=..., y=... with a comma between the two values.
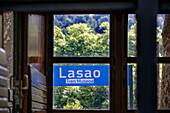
x=165, y=82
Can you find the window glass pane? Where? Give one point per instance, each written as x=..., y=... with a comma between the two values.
x=81, y=86
x=163, y=84
x=81, y=35
x=131, y=85
x=132, y=32
x=36, y=41
x=163, y=34
x=163, y=23
x=1, y=31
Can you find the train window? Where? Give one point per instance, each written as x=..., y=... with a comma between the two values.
x=36, y=37
x=163, y=53
x=78, y=40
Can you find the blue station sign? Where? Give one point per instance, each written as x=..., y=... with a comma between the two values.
x=81, y=75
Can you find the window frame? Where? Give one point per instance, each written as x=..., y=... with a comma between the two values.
x=134, y=60
x=114, y=16
x=24, y=6
x=24, y=49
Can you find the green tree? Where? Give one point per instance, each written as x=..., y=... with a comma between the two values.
x=92, y=97
x=59, y=100
x=105, y=104
x=132, y=41
x=73, y=105
x=81, y=40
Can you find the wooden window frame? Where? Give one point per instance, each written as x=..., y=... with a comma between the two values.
x=24, y=49
x=123, y=60
x=115, y=42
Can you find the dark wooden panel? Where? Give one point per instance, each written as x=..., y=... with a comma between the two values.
x=39, y=99
x=3, y=92
x=38, y=92
x=3, y=102
x=3, y=60
x=39, y=86
x=4, y=110
x=38, y=111
x=3, y=71
x=38, y=105
x=37, y=76
x=3, y=81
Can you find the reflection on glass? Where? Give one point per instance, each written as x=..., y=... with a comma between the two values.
x=81, y=35
x=132, y=85
x=132, y=32
x=163, y=86
x=163, y=23
x=159, y=28
x=1, y=31
x=36, y=41
x=163, y=33
x=81, y=86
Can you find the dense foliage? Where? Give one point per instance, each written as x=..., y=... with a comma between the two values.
x=81, y=97
x=81, y=36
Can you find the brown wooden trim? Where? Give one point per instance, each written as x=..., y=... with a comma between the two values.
x=159, y=59
x=25, y=54
x=35, y=60
x=163, y=60
x=118, y=58
x=131, y=59
x=124, y=25
x=81, y=60
x=112, y=62
x=49, y=56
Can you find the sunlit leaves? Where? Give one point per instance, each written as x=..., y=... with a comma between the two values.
x=81, y=40
x=132, y=41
